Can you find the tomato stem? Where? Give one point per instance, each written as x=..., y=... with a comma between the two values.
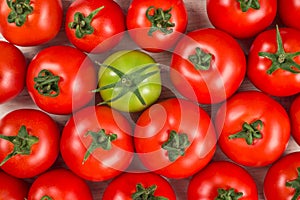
x=22, y=143
x=281, y=59
x=100, y=140
x=160, y=20
x=176, y=145
x=82, y=24
x=229, y=194
x=295, y=184
x=20, y=9
x=143, y=193
x=46, y=197
x=201, y=60
x=249, y=132
x=247, y=4
x=47, y=84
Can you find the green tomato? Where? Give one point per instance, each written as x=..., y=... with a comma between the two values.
x=129, y=80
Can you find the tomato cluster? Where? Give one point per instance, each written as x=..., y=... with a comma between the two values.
x=121, y=128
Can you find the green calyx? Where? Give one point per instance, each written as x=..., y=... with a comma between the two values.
x=201, y=60
x=100, y=140
x=47, y=84
x=82, y=24
x=229, y=194
x=247, y=4
x=146, y=193
x=160, y=20
x=46, y=197
x=249, y=132
x=176, y=145
x=20, y=9
x=22, y=143
x=128, y=82
x=281, y=59
x=295, y=184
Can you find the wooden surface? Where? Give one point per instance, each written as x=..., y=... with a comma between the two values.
x=197, y=19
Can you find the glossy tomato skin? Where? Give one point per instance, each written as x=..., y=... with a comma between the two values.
x=41, y=26
x=237, y=23
x=294, y=112
x=154, y=127
x=59, y=184
x=12, y=188
x=282, y=171
x=123, y=186
x=12, y=71
x=109, y=25
x=249, y=107
x=77, y=79
x=221, y=175
x=138, y=25
x=102, y=164
x=224, y=74
x=289, y=12
x=280, y=82
x=43, y=153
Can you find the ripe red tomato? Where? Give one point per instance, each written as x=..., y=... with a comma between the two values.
x=156, y=25
x=175, y=138
x=294, y=112
x=59, y=184
x=96, y=143
x=12, y=71
x=273, y=62
x=29, y=142
x=139, y=185
x=222, y=180
x=242, y=18
x=30, y=22
x=253, y=128
x=282, y=179
x=95, y=26
x=289, y=13
x=12, y=188
x=60, y=79
x=201, y=72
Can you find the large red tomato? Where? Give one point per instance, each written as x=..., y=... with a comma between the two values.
x=294, y=112
x=289, y=12
x=30, y=22
x=12, y=188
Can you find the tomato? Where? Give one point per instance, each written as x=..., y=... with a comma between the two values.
x=139, y=185
x=289, y=12
x=175, y=138
x=156, y=25
x=59, y=184
x=282, y=178
x=96, y=143
x=273, y=63
x=29, y=142
x=30, y=22
x=95, y=26
x=222, y=180
x=60, y=79
x=129, y=80
x=252, y=122
x=12, y=188
x=207, y=66
x=243, y=18
x=294, y=113
x=12, y=71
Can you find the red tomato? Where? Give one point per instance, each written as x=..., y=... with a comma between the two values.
x=96, y=143
x=242, y=18
x=30, y=22
x=273, y=64
x=175, y=138
x=104, y=25
x=29, y=142
x=222, y=180
x=294, y=113
x=282, y=179
x=156, y=25
x=12, y=71
x=253, y=128
x=59, y=184
x=201, y=72
x=289, y=13
x=139, y=185
x=12, y=188
x=60, y=79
